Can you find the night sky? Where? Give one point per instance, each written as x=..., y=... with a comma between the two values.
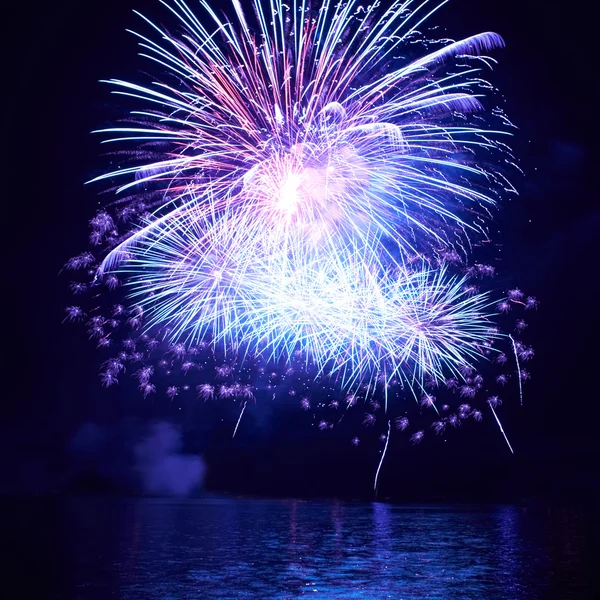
x=549, y=235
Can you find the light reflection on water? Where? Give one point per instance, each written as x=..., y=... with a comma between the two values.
x=270, y=549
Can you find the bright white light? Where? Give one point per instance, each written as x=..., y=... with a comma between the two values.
x=288, y=199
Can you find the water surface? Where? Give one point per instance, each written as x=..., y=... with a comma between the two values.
x=284, y=549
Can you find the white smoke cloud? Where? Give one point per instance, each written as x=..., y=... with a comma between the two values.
x=162, y=466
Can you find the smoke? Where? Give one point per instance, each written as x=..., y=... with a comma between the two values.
x=162, y=467
x=132, y=457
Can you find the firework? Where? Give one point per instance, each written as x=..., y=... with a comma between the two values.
x=304, y=185
x=341, y=306
x=311, y=120
x=285, y=151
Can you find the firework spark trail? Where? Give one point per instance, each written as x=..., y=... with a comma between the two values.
x=385, y=389
x=239, y=419
x=501, y=428
x=387, y=440
x=518, y=368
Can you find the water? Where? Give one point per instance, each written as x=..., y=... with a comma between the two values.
x=283, y=549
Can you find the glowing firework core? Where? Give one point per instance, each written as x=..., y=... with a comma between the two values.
x=288, y=199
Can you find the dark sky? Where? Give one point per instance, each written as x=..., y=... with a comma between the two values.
x=58, y=52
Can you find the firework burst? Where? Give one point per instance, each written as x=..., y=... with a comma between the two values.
x=312, y=115
x=304, y=187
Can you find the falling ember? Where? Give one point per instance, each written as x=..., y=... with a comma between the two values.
x=518, y=368
x=501, y=429
x=387, y=441
x=239, y=419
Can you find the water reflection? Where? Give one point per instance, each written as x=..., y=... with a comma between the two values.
x=209, y=549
